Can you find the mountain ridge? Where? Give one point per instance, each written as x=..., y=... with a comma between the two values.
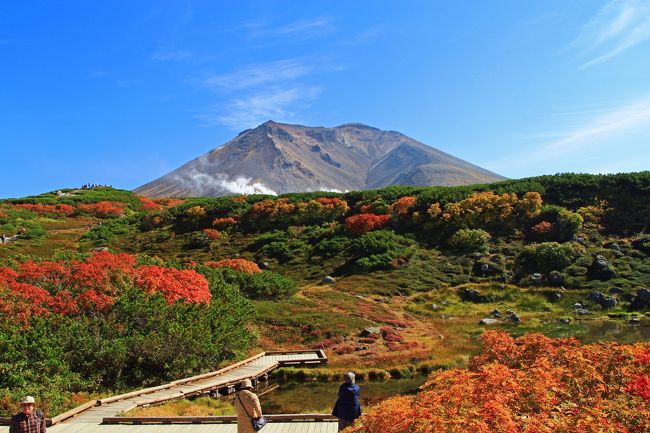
x=276, y=158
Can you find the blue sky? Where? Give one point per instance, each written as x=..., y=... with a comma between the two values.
x=121, y=92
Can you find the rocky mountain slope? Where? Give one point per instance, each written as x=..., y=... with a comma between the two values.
x=277, y=158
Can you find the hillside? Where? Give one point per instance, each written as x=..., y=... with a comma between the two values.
x=416, y=267
x=280, y=158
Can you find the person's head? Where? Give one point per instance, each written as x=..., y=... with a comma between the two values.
x=27, y=405
x=349, y=377
x=246, y=385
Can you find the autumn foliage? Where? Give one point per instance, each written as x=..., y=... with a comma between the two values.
x=70, y=287
x=241, y=265
x=212, y=233
x=532, y=384
x=40, y=208
x=103, y=209
x=365, y=222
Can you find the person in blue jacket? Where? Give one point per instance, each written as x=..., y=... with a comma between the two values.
x=347, y=407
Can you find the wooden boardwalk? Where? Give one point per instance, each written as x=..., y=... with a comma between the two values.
x=89, y=417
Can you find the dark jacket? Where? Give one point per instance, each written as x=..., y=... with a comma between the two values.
x=34, y=423
x=347, y=406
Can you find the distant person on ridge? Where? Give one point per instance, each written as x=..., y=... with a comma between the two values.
x=28, y=420
x=249, y=411
x=347, y=407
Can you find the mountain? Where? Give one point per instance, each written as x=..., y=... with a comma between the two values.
x=276, y=158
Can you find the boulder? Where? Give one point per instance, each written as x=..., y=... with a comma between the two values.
x=514, y=318
x=263, y=265
x=616, y=291
x=634, y=321
x=643, y=295
x=554, y=296
x=582, y=312
x=601, y=269
x=577, y=306
x=496, y=313
x=327, y=280
x=536, y=279
x=473, y=295
x=565, y=320
x=435, y=307
x=555, y=278
x=488, y=321
x=371, y=331
x=98, y=249
x=609, y=302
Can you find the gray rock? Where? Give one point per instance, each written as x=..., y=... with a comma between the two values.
x=263, y=265
x=609, y=302
x=634, y=321
x=488, y=321
x=582, y=312
x=435, y=307
x=580, y=240
x=577, y=306
x=555, y=296
x=100, y=249
x=473, y=295
x=485, y=268
x=616, y=291
x=514, y=318
x=371, y=331
x=565, y=320
x=327, y=280
x=556, y=278
x=496, y=313
x=601, y=269
x=643, y=295
x=537, y=279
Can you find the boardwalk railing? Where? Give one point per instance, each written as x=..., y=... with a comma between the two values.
x=317, y=357
x=311, y=417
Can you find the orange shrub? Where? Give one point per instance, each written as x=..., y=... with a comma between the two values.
x=240, y=265
x=57, y=209
x=212, y=233
x=402, y=206
x=103, y=209
x=532, y=384
x=224, y=223
x=148, y=204
x=365, y=222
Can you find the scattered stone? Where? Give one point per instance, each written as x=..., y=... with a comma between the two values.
x=616, y=291
x=263, y=265
x=582, y=312
x=554, y=296
x=555, y=278
x=488, y=321
x=580, y=240
x=602, y=300
x=643, y=294
x=547, y=309
x=601, y=269
x=473, y=295
x=634, y=321
x=496, y=313
x=435, y=307
x=514, y=318
x=484, y=268
x=565, y=320
x=641, y=300
x=444, y=302
x=371, y=331
x=615, y=247
x=327, y=280
x=537, y=279
x=477, y=256
x=100, y=249
x=577, y=306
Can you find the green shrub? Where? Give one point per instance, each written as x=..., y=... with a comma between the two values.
x=261, y=285
x=567, y=224
x=548, y=256
x=332, y=246
x=379, y=248
x=470, y=240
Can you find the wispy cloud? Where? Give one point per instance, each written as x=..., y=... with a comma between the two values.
x=165, y=54
x=619, y=26
x=256, y=75
x=280, y=103
x=301, y=29
x=593, y=136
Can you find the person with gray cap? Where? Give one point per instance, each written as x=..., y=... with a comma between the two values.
x=249, y=410
x=28, y=420
x=347, y=407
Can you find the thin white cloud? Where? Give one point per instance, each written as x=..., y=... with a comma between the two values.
x=165, y=54
x=594, y=136
x=301, y=29
x=280, y=103
x=256, y=75
x=619, y=26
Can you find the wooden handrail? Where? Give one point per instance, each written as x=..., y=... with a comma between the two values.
x=318, y=417
x=73, y=412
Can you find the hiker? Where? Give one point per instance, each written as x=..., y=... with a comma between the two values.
x=28, y=420
x=249, y=411
x=2, y=238
x=347, y=407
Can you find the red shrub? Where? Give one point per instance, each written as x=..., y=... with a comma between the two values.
x=241, y=265
x=391, y=334
x=148, y=204
x=58, y=209
x=365, y=222
x=212, y=233
x=224, y=223
x=543, y=227
x=103, y=209
x=402, y=206
x=174, y=284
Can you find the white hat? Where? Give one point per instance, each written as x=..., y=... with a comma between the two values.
x=28, y=400
x=247, y=384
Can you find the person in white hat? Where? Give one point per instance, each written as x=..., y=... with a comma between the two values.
x=28, y=420
x=248, y=408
